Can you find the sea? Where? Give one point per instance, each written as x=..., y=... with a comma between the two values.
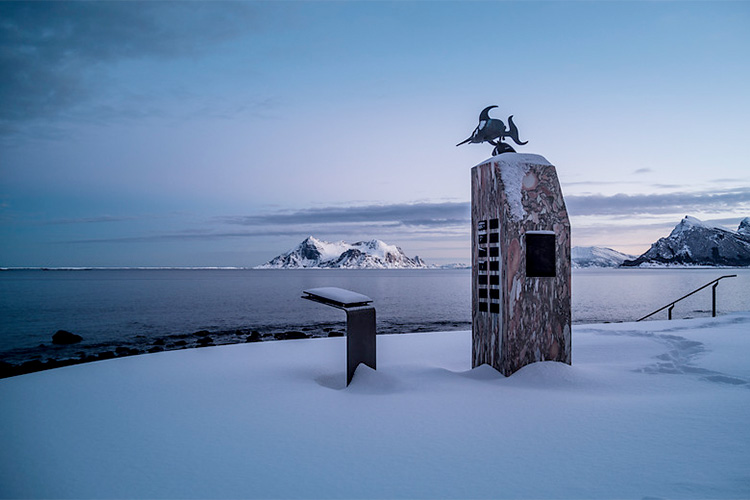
x=133, y=311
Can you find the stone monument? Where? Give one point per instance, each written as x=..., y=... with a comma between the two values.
x=520, y=262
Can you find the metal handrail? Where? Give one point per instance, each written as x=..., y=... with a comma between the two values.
x=715, y=283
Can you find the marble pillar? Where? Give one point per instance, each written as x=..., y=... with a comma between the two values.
x=520, y=263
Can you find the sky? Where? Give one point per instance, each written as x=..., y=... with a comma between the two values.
x=224, y=133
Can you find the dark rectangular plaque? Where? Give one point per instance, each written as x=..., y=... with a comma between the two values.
x=494, y=223
x=495, y=308
x=482, y=252
x=495, y=293
x=482, y=266
x=494, y=237
x=482, y=293
x=494, y=279
x=482, y=225
x=482, y=239
x=494, y=252
x=483, y=306
x=494, y=265
x=540, y=255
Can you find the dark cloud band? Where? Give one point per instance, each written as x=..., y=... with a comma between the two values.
x=659, y=204
x=454, y=213
x=417, y=214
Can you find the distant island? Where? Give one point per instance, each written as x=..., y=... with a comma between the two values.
x=313, y=253
x=695, y=243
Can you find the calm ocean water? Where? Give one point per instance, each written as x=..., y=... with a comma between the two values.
x=148, y=309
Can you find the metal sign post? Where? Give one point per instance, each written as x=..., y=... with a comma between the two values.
x=360, y=324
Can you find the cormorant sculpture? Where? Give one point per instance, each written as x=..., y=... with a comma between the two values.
x=493, y=131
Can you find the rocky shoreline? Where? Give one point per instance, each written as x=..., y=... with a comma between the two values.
x=68, y=350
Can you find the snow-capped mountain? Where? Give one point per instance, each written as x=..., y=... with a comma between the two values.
x=597, y=257
x=315, y=253
x=693, y=242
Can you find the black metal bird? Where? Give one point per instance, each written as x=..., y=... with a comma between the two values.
x=493, y=131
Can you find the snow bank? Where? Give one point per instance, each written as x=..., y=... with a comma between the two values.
x=653, y=409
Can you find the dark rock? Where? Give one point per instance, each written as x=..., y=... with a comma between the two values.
x=291, y=335
x=156, y=348
x=54, y=363
x=126, y=351
x=159, y=342
x=31, y=366
x=180, y=343
x=202, y=333
x=204, y=341
x=336, y=334
x=254, y=337
x=7, y=370
x=63, y=337
x=106, y=355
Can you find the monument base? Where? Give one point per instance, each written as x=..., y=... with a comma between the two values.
x=520, y=264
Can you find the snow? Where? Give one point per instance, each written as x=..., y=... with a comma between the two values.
x=689, y=222
x=339, y=295
x=744, y=227
x=513, y=169
x=329, y=250
x=693, y=221
x=651, y=409
x=377, y=248
x=597, y=257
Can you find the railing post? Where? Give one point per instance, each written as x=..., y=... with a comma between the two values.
x=670, y=311
x=713, y=297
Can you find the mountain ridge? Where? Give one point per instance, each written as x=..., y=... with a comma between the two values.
x=693, y=242
x=313, y=253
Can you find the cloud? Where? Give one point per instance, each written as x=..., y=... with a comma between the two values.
x=598, y=183
x=359, y=231
x=416, y=214
x=448, y=220
x=443, y=220
x=659, y=204
x=53, y=52
x=643, y=171
x=456, y=213
x=90, y=220
x=730, y=180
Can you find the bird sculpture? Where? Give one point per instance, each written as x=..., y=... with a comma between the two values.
x=493, y=131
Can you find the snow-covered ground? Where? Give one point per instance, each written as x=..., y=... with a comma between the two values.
x=655, y=409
